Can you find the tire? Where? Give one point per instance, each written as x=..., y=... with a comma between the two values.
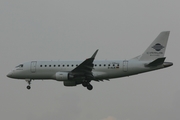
x=89, y=87
x=28, y=87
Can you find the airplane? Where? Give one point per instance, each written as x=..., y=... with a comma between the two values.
x=73, y=73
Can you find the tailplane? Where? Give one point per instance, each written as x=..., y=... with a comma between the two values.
x=156, y=62
x=157, y=48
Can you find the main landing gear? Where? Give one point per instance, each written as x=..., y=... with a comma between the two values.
x=87, y=85
x=29, y=83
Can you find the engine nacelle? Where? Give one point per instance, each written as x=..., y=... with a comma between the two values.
x=62, y=76
x=69, y=83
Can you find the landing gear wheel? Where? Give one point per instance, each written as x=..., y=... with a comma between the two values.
x=29, y=82
x=28, y=87
x=89, y=87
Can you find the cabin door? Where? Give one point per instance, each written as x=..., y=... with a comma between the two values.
x=33, y=66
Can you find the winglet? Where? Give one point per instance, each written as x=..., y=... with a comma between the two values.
x=94, y=55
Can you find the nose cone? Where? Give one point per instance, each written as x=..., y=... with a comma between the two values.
x=9, y=75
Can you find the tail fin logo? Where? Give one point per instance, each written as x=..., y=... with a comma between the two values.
x=158, y=47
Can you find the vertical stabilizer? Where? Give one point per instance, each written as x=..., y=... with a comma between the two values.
x=157, y=48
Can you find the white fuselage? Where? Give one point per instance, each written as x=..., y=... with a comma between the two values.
x=101, y=70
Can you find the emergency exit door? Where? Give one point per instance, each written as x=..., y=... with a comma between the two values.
x=125, y=65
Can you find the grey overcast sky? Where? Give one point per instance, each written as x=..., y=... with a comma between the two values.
x=73, y=30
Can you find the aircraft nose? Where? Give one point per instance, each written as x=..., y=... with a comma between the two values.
x=9, y=75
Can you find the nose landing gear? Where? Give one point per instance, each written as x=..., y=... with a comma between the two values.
x=28, y=87
x=29, y=83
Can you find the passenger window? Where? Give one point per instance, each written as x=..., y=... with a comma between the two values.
x=104, y=64
x=54, y=65
x=99, y=64
x=67, y=65
x=58, y=65
x=49, y=65
x=45, y=65
x=40, y=65
x=63, y=65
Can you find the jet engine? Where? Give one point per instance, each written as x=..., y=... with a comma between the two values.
x=63, y=76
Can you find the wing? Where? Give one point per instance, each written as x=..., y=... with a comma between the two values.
x=85, y=68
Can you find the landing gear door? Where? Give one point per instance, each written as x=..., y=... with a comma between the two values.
x=125, y=65
x=33, y=66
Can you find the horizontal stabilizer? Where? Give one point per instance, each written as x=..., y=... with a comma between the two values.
x=158, y=61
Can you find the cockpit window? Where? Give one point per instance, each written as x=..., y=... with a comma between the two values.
x=19, y=66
